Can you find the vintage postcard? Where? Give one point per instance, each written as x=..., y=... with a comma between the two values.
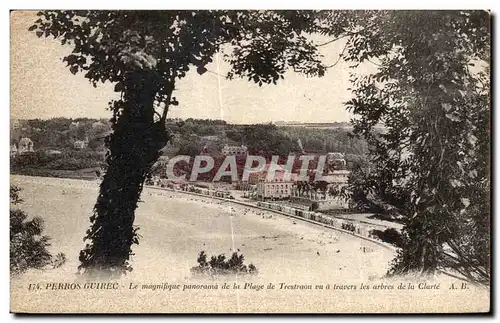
x=250, y=161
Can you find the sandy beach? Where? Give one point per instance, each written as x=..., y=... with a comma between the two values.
x=175, y=227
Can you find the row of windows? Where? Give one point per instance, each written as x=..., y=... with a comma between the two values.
x=235, y=152
x=264, y=179
x=282, y=186
x=276, y=192
x=278, y=186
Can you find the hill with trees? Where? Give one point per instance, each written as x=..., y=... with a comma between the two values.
x=189, y=137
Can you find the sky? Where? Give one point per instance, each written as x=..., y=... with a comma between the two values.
x=43, y=87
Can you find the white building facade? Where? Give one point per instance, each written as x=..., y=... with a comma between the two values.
x=234, y=150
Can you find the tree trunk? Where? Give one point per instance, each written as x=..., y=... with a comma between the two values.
x=133, y=148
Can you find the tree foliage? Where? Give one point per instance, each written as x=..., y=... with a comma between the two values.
x=28, y=247
x=219, y=265
x=143, y=53
x=109, y=44
x=431, y=92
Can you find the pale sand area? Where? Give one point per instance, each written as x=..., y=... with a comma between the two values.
x=175, y=227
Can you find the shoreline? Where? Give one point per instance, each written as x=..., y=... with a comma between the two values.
x=238, y=202
x=176, y=227
x=247, y=204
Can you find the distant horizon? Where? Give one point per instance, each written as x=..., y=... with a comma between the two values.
x=280, y=122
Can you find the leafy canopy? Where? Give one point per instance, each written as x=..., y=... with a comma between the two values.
x=259, y=45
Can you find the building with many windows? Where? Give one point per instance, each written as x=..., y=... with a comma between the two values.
x=234, y=150
x=277, y=187
x=274, y=190
x=338, y=177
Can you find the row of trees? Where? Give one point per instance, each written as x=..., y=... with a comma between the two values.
x=190, y=134
x=328, y=140
x=267, y=139
x=432, y=163
x=68, y=160
x=58, y=133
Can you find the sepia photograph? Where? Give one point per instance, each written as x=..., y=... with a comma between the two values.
x=250, y=161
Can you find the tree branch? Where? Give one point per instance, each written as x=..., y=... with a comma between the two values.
x=335, y=39
x=167, y=105
x=340, y=57
x=368, y=59
x=216, y=73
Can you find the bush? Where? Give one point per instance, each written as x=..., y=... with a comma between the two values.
x=74, y=163
x=349, y=227
x=314, y=206
x=68, y=160
x=218, y=265
x=389, y=235
x=38, y=159
x=28, y=247
x=59, y=260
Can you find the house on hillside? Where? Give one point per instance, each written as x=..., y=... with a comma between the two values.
x=99, y=124
x=15, y=124
x=335, y=161
x=74, y=125
x=25, y=146
x=234, y=150
x=52, y=152
x=338, y=177
x=13, y=150
x=210, y=138
x=81, y=144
